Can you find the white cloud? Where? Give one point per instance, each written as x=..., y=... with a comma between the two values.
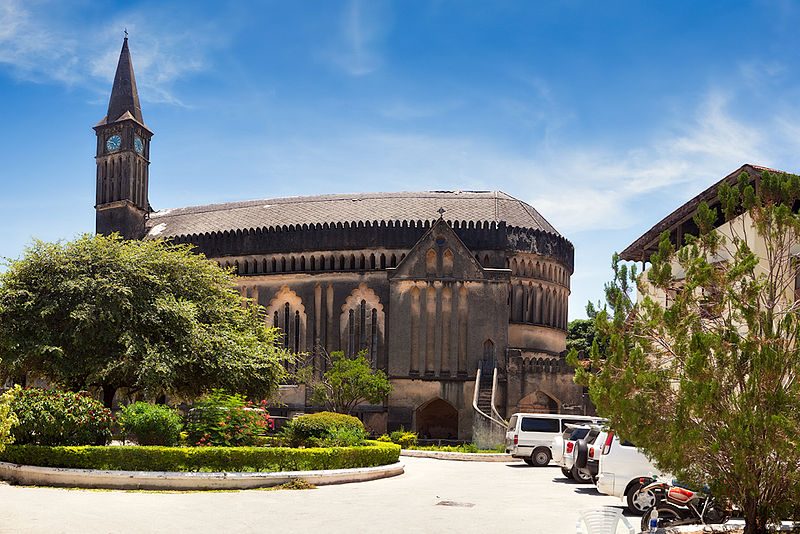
x=577, y=187
x=363, y=25
x=38, y=45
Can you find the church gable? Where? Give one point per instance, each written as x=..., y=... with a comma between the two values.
x=439, y=254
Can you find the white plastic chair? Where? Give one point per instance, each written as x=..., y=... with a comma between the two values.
x=601, y=521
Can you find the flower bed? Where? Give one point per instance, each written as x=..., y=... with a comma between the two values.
x=203, y=459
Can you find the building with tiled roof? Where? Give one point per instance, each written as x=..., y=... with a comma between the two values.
x=459, y=296
x=680, y=222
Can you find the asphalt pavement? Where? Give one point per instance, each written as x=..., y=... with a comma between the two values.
x=435, y=496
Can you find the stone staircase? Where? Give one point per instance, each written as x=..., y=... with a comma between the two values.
x=485, y=394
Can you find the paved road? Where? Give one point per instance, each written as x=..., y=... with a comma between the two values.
x=432, y=496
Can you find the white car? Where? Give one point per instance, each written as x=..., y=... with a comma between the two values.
x=623, y=470
x=564, y=447
x=529, y=435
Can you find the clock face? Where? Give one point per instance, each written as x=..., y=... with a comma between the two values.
x=138, y=145
x=113, y=143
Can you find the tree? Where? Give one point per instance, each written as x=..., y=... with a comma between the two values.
x=348, y=382
x=8, y=419
x=581, y=332
x=103, y=312
x=703, y=372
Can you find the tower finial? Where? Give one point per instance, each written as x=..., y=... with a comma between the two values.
x=125, y=31
x=441, y=212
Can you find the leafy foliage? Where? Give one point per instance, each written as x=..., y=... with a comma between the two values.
x=144, y=315
x=703, y=372
x=8, y=418
x=322, y=428
x=151, y=424
x=206, y=459
x=224, y=420
x=50, y=417
x=404, y=438
x=349, y=382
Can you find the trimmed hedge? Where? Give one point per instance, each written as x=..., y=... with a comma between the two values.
x=205, y=459
x=320, y=425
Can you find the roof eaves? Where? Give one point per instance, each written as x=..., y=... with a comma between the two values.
x=636, y=250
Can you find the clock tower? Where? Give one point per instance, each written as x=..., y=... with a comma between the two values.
x=123, y=158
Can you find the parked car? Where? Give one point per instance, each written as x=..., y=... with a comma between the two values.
x=587, y=454
x=530, y=435
x=623, y=470
x=567, y=441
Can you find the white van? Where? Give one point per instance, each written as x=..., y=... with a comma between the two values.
x=530, y=435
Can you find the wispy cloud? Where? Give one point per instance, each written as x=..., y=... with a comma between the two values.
x=38, y=45
x=363, y=25
x=577, y=187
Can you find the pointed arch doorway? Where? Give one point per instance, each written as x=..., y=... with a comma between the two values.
x=437, y=419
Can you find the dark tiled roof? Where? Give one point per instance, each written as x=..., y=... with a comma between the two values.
x=647, y=244
x=491, y=206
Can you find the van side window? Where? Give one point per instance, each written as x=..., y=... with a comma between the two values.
x=530, y=424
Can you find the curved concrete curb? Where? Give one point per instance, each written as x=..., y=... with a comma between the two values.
x=161, y=480
x=459, y=456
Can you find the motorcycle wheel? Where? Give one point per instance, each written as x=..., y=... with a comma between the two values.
x=667, y=515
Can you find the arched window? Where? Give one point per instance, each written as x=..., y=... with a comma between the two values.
x=383, y=261
x=372, y=261
x=488, y=355
x=362, y=323
x=296, y=347
x=430, y=262
x=362, y=263
x=286, y=325
x=393, y=262
x=302, y=263
x=447, y=262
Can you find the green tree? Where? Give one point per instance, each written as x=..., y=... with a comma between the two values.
x=103, y=312
x=581, y=332
x=8, y=418
x=707, y=380
x=348, y=382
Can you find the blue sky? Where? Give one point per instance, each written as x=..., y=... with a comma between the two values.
x=605, y=116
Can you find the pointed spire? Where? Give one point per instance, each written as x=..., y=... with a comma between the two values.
x=124, y=96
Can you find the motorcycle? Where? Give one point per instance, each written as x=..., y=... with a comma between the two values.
x=676, y=505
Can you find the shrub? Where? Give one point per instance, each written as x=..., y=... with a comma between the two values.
x=7, y=417
x=207, y=459
x=314, y=428
x=225, y=420
x=345, y=437
x=151, y=424
x=403, y=438
x=384, y=439
x=49, y=417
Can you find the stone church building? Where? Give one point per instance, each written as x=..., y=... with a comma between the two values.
x=459, y=296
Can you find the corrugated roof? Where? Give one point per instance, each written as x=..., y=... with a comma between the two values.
x=491, y=206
